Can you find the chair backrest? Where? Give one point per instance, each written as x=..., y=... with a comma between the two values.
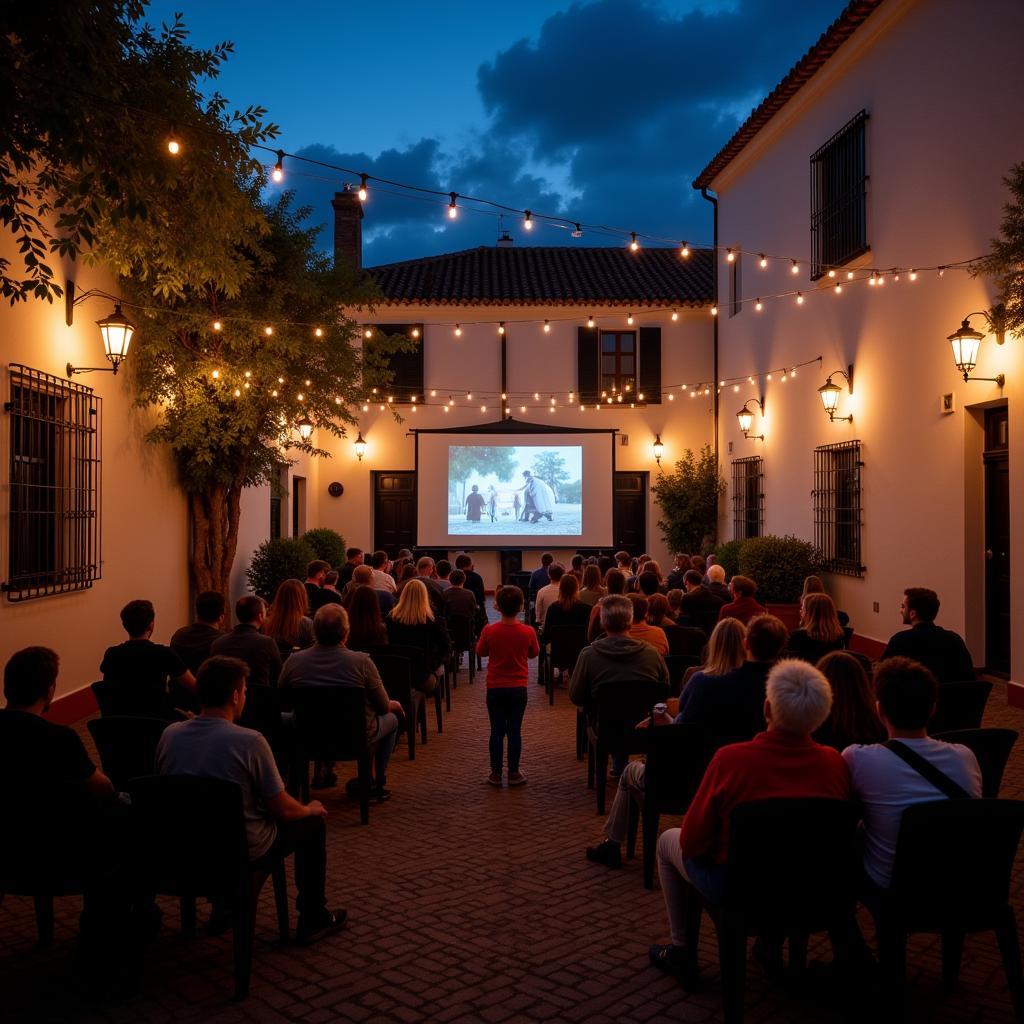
x=396, y=675
x=687, y=640
x=460, y=630
x=191, y=833
x=961, y=705
x=126, y=745
x=953, y=862
x=566, y=643
x=677, y=756
x=264, y=706
x=793, y=863
x=619, y=706
x=330, y=721
x=677, y=666
x=992, y=749
x=128, y=701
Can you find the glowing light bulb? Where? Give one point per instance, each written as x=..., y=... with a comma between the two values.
x=528, y=220
x=675, y=314
x=685, y=251
x=671, y=397
x=839, y=289
x=215, y=375
x=318, y=332
x=634, y=245
x=503, y=396
x=629, y=319
x=453, y=206
x=590, y=321
x=913, y=275
x=831, y=273
x=469, y=396
x=366, y=408
x=522, y=408
x=415, y=332
x=483, y=408
x=795, y=269
x=547, y=327
x=758, y=306
x=763, y=261
x=536, y=396
x=301, y=397
x=278, y=172
x=237, y=393
x=273, y=394
x=248, y=374
x=714, y=311
x=501, y=327
x=849, y=275
x=362, y=193
x=799, y=299
x=942, y=271
x=217, y=325
x=173, y=143
x=268, y=331
x=730, y=256
x=433, y=393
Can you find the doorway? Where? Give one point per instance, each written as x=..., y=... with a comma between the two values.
x=997, y=540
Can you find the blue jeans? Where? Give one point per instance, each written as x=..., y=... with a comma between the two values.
x=506, y=706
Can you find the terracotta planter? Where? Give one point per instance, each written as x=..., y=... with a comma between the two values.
x=788, y=613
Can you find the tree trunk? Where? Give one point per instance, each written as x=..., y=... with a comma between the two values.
x=215, y=516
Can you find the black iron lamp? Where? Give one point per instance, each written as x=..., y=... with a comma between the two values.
x=746, y=418
x=830, y=393
x=966, y=341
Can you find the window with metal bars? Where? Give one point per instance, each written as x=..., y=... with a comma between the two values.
x=53, y=540
x=837, y=506
x=747, y=497
x=839, y=222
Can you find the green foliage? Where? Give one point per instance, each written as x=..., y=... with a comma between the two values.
x=481, y=459
x=1006, y=261
x=275, y=561
x=688, y=498
x=728, y=557
x=779, y=566
x=328, y=545
x=571, y=493
x=91, y=95
x=550, y=467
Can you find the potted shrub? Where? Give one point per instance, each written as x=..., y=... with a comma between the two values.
x=327, y=544
x=727, y=555
x=687, y=497
x=275, y=561
x=779, y=566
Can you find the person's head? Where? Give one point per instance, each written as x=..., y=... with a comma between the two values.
x=592, y=577
x=364, y=619
x=457, y=578
x=527, y=474
x=408, y=572
x=681, y=561
x=379, y=559
x=331, y=578
x=906, y=693
x=604, y=563
x=697, y=562
x=546, y=559
x=220, y=685
x=716, y=574
x=286, y=611
x=354, y=555
x=138, y=617
x=726, y=649
x=444, y=569
x=577, y=563
x=708, y=562
x=210, y=605
x=413, y=607
x=797, y=697
x=463, y=562
x=819, y=618
x=648, y=584
x=651, y=567
x=250, y=610
x=767, y=637
x=640, y=606
x=362, y=576
x=616, y=614
x=657, y=609
x=474, y=488
x=30, y=676
x=615, y=581
x=742, y=586
x=316, y=571
x=675, y=601
x=692, y=580
x=330, y=625
x=405, y=553
x=556, y=571
x=568, y=590
x=425, y=566
x=509, y=601
x=623, y=559
x=919, y=605
x=813, y=585
x=853, y=714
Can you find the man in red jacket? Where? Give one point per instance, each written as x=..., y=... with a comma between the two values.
x=782, y=762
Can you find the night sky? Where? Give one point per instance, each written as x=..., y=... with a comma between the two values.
x=602, y=112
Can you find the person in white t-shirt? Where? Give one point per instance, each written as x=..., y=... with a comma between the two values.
x=906, y=692
x=548, y=595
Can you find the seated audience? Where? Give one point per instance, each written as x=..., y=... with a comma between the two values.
x=675, y=603
x=363, y=577
x=813, y=585
x=658, y=611
x=381, y=579
x=331, y=582
x=329, y=663
x=647, y=583
x=940, y=650
x=458, y=600
x=783, y=761
x=604, y=563
x=213, y=745
x=652, y=567
x=716, y=583
x=624, y=563
x=680, y=566
x=726, y=651
x=247, y=641
x=615, y=584
x=397, y=569
x=425, y=570
x=709, y=561
x=353, y=557
x=412, y=624
x=700, y=563
x=576, y=567
x=366, y=629
x=591, y=592
x=642, y=630
x=854, y=717
x=317, y=594
x=539, y=577
x=743, y=606
x=731, y=707
x=444, y=572
x=142, y=673
x=699, y=606
x=192, y=643
x=568, y=610
x=407, y=573
x=548, y=595
x=819, y=633
x=287, y=623
x=883, y=781
x=475, y=585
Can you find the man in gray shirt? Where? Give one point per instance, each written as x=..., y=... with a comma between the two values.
x=276, y=824
x=329, y=662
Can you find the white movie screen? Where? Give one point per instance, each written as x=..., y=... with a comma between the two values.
x=515, y=490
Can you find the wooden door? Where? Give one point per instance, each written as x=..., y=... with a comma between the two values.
x=394, y=510
x=629, y=512
x=997, y=541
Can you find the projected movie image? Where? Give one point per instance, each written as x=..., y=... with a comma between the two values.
x=515, y=491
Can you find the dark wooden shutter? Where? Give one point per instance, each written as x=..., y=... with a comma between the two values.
x=649, y=365
x=587, y=374
x=406, y=367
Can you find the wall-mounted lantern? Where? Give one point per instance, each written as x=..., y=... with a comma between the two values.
x=966, y=342
x=116, y=331
x=830, y=393
x=360, y=446
x=659, y=449
x=305, y=426
x=745, y=417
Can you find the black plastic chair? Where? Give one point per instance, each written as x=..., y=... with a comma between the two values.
x=688, y=640
x=264, y=706
x=125, y=701
x=792, y=871
x=951, y=876
x=126, y=745
x=564, y=646
x=462, y=631
x=416, y=659
x=991, y=747
x=396, y=675
x=677, y=756
x=330, y=725
x=960, y=705
x=611, y=727
x=677, y=665
x=192, y=843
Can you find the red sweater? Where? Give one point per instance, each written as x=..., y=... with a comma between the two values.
x=773, y=764
x=509, y=647
x=744, y=609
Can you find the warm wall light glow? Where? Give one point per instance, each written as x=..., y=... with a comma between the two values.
x=318, y=332
x=458, y=331
x=730, y=256
x=360, y=446
x=658, y=448
x=795, y=268
x=268, y=331
x=116, y=331
x=590, y=321
x=675, y=314
x=547, y=327
x=629, y=319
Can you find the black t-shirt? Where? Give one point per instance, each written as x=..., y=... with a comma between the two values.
x=319, y=596
x=141, y=669
x=192, y=644
x=38, y=755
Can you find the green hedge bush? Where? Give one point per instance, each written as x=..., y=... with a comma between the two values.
x=727, y=555
x=779, y=566
x=328, y=545
x=275, y=561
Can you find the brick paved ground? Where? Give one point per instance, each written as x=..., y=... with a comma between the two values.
x=467, y=904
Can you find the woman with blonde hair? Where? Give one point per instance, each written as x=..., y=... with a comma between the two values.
x=820, y=632
x=288, y=622
x=725, y=651
x=411, y=623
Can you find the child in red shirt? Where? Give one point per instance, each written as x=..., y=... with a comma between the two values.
x=508, y=645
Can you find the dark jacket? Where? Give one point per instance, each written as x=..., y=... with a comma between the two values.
x=556, y=615
x=720, y=590
x=941, y=650
x=613, y=658
x=729, y=707
x=192, y=644
x=430, y=637
x=701, y=609
x=259, y=652
x=803, y=646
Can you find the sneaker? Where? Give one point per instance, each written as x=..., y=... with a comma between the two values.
x=516, y=779
x=326, y=923
x=494, y=779
x=381, y=793
x=607, y=853
x=678, y=962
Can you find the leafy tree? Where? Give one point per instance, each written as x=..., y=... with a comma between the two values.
x=1006, y=261
x=550, y=467
x=688, y=498
x=274, y=561
x=469, y=460
x=91, y=96
x=328, y=544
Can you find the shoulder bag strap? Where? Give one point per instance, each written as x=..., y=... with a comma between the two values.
x=940, y=780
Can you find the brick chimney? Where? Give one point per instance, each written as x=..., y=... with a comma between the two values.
x=348, y=228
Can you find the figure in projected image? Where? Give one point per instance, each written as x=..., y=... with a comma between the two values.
x=474, y=504
x=492, y=502
x=539, y=499
x=516, y=504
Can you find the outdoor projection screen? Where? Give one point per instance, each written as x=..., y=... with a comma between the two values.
x=532, y=490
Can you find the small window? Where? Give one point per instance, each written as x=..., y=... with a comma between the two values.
x=839, y=181
x=404, y=370
x=54, y=529
x=747, y=497
x=618, y=362
x=837, y=507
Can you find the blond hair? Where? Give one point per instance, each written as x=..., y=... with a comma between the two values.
x=413, y=607
x=726, y=650
x=819, y=618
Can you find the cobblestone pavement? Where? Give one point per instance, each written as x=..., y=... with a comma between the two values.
x=469, y=904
